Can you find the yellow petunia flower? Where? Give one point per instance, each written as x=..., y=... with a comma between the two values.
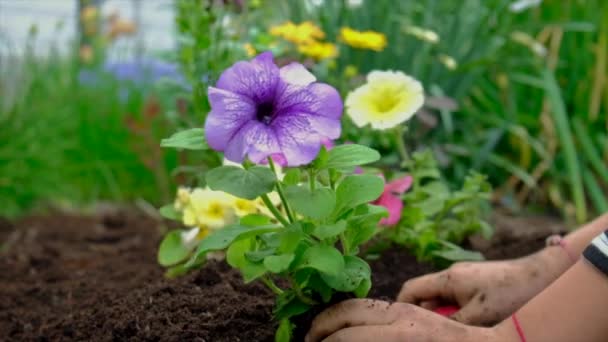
x=319, y=50
x=209, y=208
x=370, y=40
x=190, y=238
x=299, y=34
x=243, y=207
x=182, y=199
x=386, y=100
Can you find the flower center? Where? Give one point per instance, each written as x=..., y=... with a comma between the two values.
x=264, y=112
x=386, y=101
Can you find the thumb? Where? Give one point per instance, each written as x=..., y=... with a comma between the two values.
x=426, y=288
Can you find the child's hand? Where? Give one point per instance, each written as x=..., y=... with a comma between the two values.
x=359, y=320
x=487, y=292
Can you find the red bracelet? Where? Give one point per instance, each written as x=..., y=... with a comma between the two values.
x=556, y=240
x=518, y=328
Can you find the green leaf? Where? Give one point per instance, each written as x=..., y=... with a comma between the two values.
x=292, y=177
x=235, y=256
x=457, y=253
x=222, y=238
x=278, y=263
x=316, y=204
x=351, y=155
x=190, y=139
x=363, y=226
x=325, y=259
x=284, y=331
x=328, y=231
x=318, y=285
x=255, y=220
x=172, y=250
x=363, y=289
x=176, y=271
x=290, y=238
x=350, y=278
x=259, y=255
x=248, y=184
x=357, y=189
x=288, y=305
x=168, y=211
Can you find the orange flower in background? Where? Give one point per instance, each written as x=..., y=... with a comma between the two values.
x=121, y=27
x=370, y=40
x=299, y=34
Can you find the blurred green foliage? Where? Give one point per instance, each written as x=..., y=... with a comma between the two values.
x=530, y=86
x=67, y=143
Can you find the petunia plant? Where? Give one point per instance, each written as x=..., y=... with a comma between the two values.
x=425, y=215
x=304, y=244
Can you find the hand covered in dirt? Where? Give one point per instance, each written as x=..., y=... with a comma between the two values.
x=486, y=292
x=359, y=320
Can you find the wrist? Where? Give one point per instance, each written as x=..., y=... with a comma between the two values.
x=554, y=261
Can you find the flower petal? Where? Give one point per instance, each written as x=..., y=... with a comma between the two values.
x=257, y=79
x=296, y=74
x=400, y=185
x=229, y=112
x=299, y=142
x=394, y=205
x=255, y=140
x=317, y=98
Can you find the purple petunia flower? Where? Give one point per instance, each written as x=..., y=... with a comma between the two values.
x=259, y=110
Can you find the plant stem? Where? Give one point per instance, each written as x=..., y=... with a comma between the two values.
x=399, y=131
x=271, y=285
x=345, y=248
x=311, y=179
x=280, y=191
x=275, y=212
x=330, y=175
x=301, y=296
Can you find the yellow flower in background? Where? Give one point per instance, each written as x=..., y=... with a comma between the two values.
x=370, y=40
x=212, y=209
x=351, y=71
x=386, y=100
x=319, y=50
x=89, y=13
x=249, y=50
x=299, y=34
x=422, y=34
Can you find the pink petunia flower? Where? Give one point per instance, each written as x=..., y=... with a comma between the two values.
x=391, y=199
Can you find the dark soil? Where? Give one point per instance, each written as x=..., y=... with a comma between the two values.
x=68, y=277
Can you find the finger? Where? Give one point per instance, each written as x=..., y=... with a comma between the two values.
x=428, y=287
x=354, y=312
x=373, y=333
x=473, y=313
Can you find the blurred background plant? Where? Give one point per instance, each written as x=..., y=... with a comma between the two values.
x=518, y=88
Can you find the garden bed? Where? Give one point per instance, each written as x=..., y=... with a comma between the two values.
x=69, y=277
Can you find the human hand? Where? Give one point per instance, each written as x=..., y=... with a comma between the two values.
x=360, y=320
x=487, y=292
